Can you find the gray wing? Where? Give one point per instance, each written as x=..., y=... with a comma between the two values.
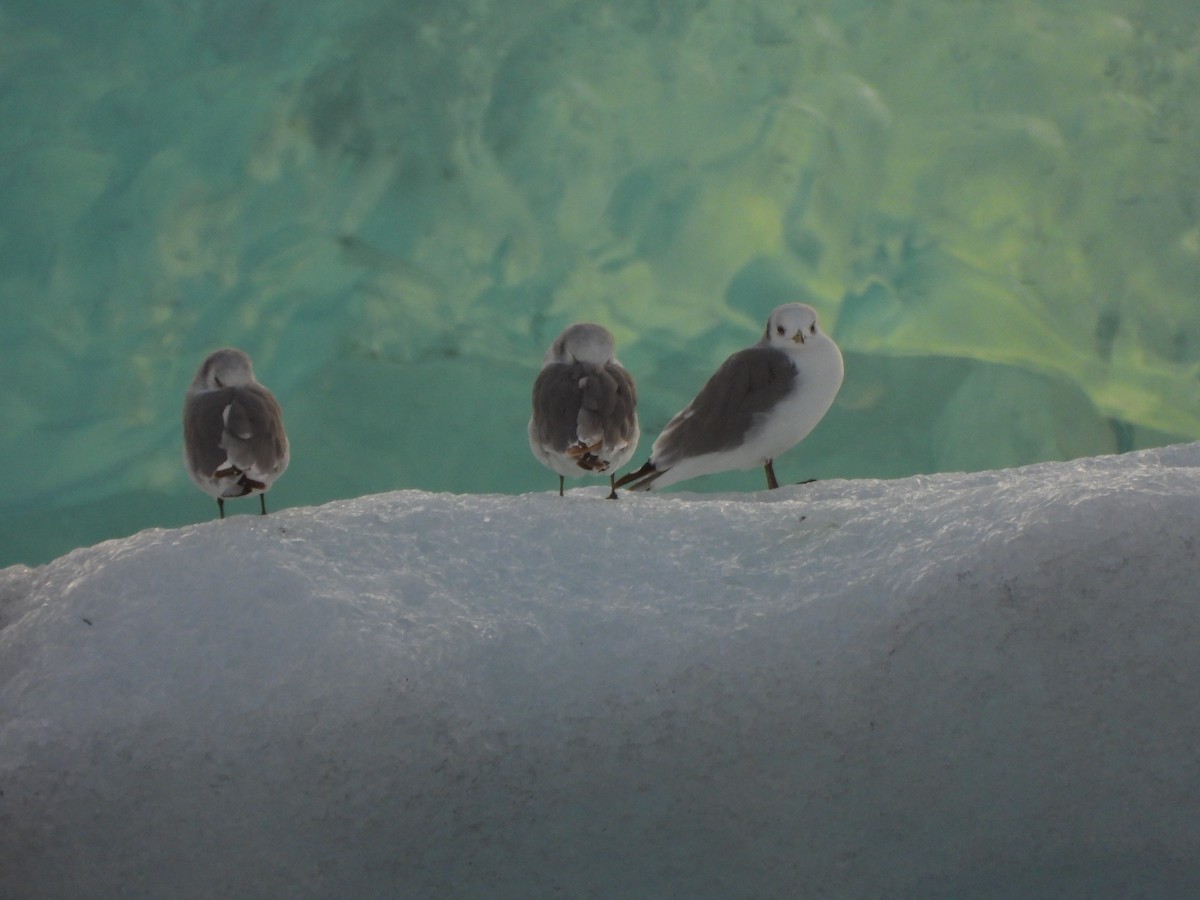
x=203, y=428
x=556, y=400
x=574, y=402
x=608, y=406
x=253, y=435
x=747, y=385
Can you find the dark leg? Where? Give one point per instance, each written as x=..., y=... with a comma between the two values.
x=612, y=494
x=560, y=485
x=262, y=501
x=771, y=482
x=221, y=506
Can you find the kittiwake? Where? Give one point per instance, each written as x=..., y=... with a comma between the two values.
x=584, y=406
x=234, y=444
x=762, y=401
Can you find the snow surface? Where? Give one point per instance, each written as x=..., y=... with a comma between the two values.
x=955, y=685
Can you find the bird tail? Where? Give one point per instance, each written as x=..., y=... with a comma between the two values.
x=642, y=479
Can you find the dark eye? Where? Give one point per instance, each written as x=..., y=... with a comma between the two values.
x=779, y=329
x=812, y=329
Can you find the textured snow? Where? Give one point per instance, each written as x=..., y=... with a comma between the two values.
x=953, y=685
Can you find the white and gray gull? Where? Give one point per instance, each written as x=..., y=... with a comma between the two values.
x=234, y=444
x=584, y=417
x=761, y=402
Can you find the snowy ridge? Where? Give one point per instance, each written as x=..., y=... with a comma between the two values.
x=954, y=685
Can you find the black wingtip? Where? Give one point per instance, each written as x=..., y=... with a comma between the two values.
x=648, y=473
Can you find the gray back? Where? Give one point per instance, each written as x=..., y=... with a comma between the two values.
x=563, y=412
x=746, y=386
x=255, y=434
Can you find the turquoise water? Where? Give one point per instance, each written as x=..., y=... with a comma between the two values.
x=993, y=205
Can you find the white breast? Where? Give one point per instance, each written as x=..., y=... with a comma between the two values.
x=820, y=375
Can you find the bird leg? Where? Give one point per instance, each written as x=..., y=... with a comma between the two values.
x=580, y=449
x=560, y=485
x=246, y=484
x=585, y=456
x=770, y=469
x=612, y=494
x=249, y=484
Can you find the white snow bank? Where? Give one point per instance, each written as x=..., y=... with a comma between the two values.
x=959, y=685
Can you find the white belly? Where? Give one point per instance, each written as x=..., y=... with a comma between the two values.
x=820, y=376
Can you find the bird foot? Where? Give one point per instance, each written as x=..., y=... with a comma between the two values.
x=248, y=485
x=585, y=456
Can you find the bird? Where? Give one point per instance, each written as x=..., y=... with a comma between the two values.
x=760, y=402
x=234, y=444
x=584, y=416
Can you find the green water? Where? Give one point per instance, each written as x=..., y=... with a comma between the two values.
x=395, y=207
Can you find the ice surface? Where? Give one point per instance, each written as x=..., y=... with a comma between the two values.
x=394, y=207
x=954, y=685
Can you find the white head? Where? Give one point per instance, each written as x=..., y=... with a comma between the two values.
x=582, y=342
x=791, y=325
x=222, y=369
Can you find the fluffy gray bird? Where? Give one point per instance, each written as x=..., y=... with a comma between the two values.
x=234, y=444
x=584, y=406
x=762, y=401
